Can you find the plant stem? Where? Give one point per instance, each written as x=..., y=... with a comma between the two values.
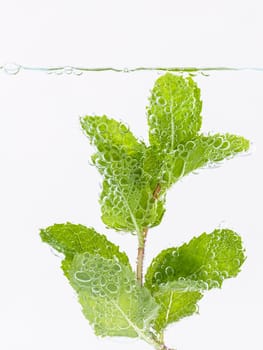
x=140, y=256
x=142, y=240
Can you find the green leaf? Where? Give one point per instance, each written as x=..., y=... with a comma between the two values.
x=176, y=300
x=129, y=207
x=207, y=259
x=111, y=299
x=174, y=111
x=178, y=276
x=108, y=135
x=71, y=239
x=199, y=152
x=127, y=201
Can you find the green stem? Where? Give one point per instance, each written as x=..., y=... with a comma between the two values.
x=140, y=255
x=158, y=344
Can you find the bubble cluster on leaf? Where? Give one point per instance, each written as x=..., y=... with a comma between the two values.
x=207, y=259
x=117, y=300
x=174, y=111
x=71, y=239
x=201, y=151
x=126, y=199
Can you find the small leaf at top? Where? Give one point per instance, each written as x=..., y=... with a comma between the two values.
x=111, y=298
x=208, y=259
x=174, y=111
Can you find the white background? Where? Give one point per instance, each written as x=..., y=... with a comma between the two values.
x=46, y=177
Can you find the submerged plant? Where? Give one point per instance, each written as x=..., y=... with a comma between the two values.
x=116, y=300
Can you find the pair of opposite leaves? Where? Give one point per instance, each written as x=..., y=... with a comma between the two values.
x=111, y=298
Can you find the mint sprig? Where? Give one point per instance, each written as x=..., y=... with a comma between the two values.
x=136, y=178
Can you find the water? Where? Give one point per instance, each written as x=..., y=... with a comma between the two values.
x=47, y=178
x=14, y=68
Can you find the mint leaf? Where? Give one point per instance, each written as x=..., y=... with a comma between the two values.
x=71, y=239
x=207, y=259
x=174, y=111
x=178, y=276
x=176, y=300
x=129, y=207
x=108, y=135
x=111, y=299
x=126, y=200
x=199, y=152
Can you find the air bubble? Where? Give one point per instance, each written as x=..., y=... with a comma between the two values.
x=204, y=274
x=68, y=70
x=215, y=274
x=116, y=268
x=184, y=154
x=102, y=127
x=167, y=110
x=123, y=128
x=154, y=131
x=204, y=285
x=218, y=142
x=208, y=266
x=112, y=288
x=211, y=255
x=107, y=156
x=12, y=68
x=189, y=145
x=236, y=262
x=59, y=71
x=95, y=290
x=180, y=148
x=77, y=72
x=225, y=145
x=214, y=284
x=175, y=253
x=157, y=275
x=82, y=276
x=224, y=274
x=126, y=280
x=102, y=294
x=181, y=279
x=169, y=271
x=128, y=289
x=103, y=281
x=161, y=101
